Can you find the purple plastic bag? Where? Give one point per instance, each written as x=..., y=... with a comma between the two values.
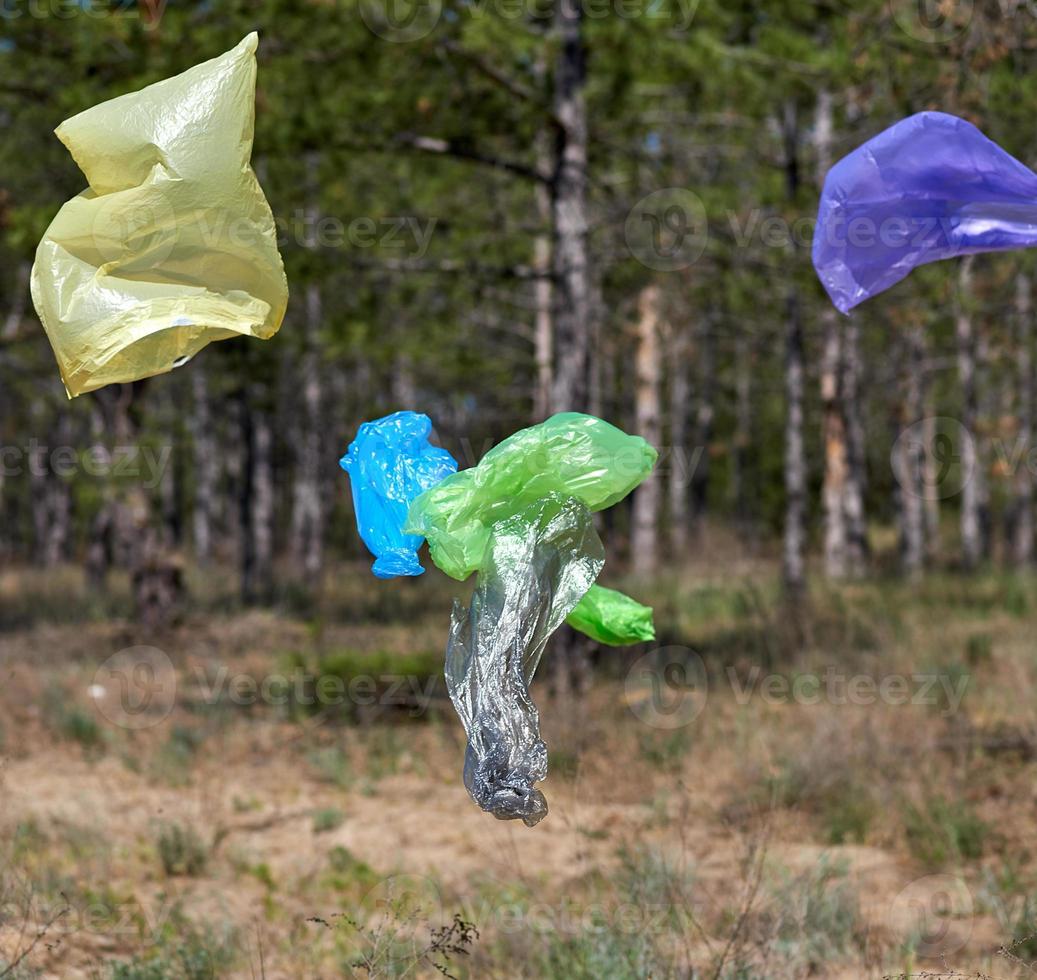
x=930, y=187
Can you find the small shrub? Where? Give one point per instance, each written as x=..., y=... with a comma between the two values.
x=941, y=832
x=173, y=760
x=181, y=851
x=812, y=919
x=183, y=953
x=327, y=819
x=69, y=721
x=979, y=649
x=331, y=765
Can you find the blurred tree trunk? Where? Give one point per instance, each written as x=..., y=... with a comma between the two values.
x=205, y=462
x=836, y=450
x=306, y=534
x=124, y=531
x=793, y=558
x=856, y=473
x=572, y=306
x=743, y=433
x=930, y=478
x=793, y=561
x=972, y=492
x=51, y=499
x=572, y=292
x=307, y=527
x=682, y=456
x=543, y=328
x=256, y=501
x=911, y=461
x=1022, y=503
x=834, y=435
x=110, y=540
x=172, y=478
x=648, y=412
x=705, y=415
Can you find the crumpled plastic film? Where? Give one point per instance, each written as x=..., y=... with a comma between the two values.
x=572, y=454
x=389, y=464
x=537, y=565
x=930, y=187
x=612, y=618
x=173, y=245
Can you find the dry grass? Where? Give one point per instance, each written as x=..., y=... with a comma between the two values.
x=769, y=837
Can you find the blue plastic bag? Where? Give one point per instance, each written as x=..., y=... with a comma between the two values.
x=390, y=463
x=930, y=187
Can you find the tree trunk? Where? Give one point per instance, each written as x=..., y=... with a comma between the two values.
x=793, y=561
x=912, y=460
x=972, y=492
x=205, y=463
x=648, y=371
x=572, y=293
x=307, y=530
x=543, y=328
x=930, y=476
x=306, y=533
x=705, y=415
x=857, y=550
x=1022, y=504
x=256, y=502
x=682, y=456
x=571, y=300
x=794, y=544
x=836, y=451
x=51, y=500
x=743, y=434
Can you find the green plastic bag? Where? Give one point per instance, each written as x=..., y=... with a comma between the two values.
x=570, y=454
x=612, y=618
x=173, y=245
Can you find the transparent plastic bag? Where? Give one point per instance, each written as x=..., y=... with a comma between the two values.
x=570, y=454
x=173, y=245
x=930, y=187
x=612, y=618
x=390, y=463
x=537, y=565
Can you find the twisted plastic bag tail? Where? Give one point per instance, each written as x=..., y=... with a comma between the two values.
x=537, y=566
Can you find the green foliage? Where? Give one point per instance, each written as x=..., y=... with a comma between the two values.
x=941, y=832
x=816, y=916
x=181, y=851
x=70, y=721
x=182, y=953
x=327, y=819
x=173, y=761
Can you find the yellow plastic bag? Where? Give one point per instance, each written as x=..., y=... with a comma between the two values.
x=173, y=245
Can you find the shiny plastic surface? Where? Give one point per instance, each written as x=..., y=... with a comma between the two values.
x=930, y=187
x=572, y=454
x=612, y=618
x=390, y=463
x=173, y=245
x=537, y=566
